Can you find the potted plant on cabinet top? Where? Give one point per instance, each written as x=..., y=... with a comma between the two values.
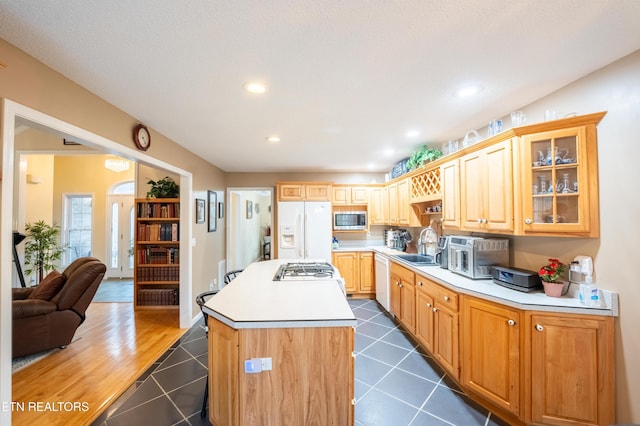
x=552, y=278
x=41, y=250
x=423, y=155
x=163, y=188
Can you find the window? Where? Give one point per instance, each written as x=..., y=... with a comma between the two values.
x=78, y=219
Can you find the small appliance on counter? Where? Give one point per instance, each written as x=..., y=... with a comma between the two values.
x=516, y=278
x=401, y=240
x=390, y=237
x=473, y=257
x=442, y=254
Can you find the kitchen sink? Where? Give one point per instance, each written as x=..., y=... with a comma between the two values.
x=417, y=259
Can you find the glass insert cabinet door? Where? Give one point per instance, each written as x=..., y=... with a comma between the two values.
x=556, y=181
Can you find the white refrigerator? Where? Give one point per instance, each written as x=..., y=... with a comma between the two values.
x=304, y=230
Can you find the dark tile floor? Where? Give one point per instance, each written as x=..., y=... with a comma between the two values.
x=396, y=383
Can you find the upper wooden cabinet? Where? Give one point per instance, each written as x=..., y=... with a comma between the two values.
x=540, y=179
x=304, y=191
x=486, y=189
x=378, y=205
x=450, y=173
x=350, y=195
x=400, y=211
x=559, y=176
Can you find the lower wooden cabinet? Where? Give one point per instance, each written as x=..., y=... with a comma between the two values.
x=357, y=270
x=571, y=369
x=402, y=295
x=529, y=367
x=490, y=343
x=437, y=323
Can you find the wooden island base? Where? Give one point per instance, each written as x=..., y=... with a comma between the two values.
x=311, y=383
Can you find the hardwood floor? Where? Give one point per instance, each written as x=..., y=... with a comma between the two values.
x=113, y=347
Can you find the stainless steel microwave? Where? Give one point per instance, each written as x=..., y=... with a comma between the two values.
x=350, y=221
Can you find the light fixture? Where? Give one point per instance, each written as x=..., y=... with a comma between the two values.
x=273, y=139
x=467, y=91
x=255, y=87
x=116, y=165
x=413, y=133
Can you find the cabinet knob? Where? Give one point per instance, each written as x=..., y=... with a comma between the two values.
x=511, y=322
x=428, y=305
x=435, y=309
x=400, y=285
x=539, y=327
x=528, y=221
x=420, y=283
x=447, y=298
x=479, y=220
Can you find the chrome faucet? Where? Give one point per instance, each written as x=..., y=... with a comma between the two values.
x=422, y=243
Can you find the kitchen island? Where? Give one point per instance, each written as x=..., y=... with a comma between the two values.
x=302, y=330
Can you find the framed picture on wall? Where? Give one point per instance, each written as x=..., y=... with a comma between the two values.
x=249, y=209
x=201, y=208
x=212, y=197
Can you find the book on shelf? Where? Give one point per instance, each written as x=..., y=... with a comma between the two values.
x=158, y=255
x=158, y=210
x=161, y=273
x=158, y=232
x=157, y=296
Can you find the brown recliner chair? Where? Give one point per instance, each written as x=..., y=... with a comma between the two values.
x=40, y=325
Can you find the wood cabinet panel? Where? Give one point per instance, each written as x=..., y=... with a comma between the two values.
x=367, y=272
x=490, y=347
x=450, y=194
x=402, y=295
x=571, y=369
x=424, y=319
x=347, y=264
x=486, y=189
x=223, y=374
x=309, y=364
x=299, y=191
x=357, y=270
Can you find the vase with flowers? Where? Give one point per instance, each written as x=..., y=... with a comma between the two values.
x=552, y=275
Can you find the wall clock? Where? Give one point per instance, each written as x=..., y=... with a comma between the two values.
x=142, y=137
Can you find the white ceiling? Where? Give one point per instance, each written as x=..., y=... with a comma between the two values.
x=346, y=78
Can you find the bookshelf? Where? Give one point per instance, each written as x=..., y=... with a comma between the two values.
x=157, y=253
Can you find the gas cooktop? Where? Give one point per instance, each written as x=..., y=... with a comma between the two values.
x=304, y=271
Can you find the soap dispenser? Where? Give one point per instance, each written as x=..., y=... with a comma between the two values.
x=334, y=243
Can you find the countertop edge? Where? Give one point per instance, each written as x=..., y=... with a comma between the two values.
x=611, y=298
x=279, y=324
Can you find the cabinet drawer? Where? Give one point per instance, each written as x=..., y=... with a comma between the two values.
x=403, y=273
x=441, y=295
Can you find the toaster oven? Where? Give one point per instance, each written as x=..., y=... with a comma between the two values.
x=473, y=257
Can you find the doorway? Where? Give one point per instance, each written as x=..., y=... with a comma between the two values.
x=120, y=216
x=249, y=225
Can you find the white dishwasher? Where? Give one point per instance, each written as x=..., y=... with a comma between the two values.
x=382, y=280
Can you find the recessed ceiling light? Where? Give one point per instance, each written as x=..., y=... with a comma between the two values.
x=255, y=87
x=413, y=133
x=467, y=91
x=388, y=152
x=273, y=139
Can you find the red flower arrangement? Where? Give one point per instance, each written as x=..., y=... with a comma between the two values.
x=552, y=272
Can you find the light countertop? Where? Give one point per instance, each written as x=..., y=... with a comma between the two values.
x=254, y=300
x=487, y=289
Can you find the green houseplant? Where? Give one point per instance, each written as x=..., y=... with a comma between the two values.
x=423, y=155
x=42, y=250
x=163, y=188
